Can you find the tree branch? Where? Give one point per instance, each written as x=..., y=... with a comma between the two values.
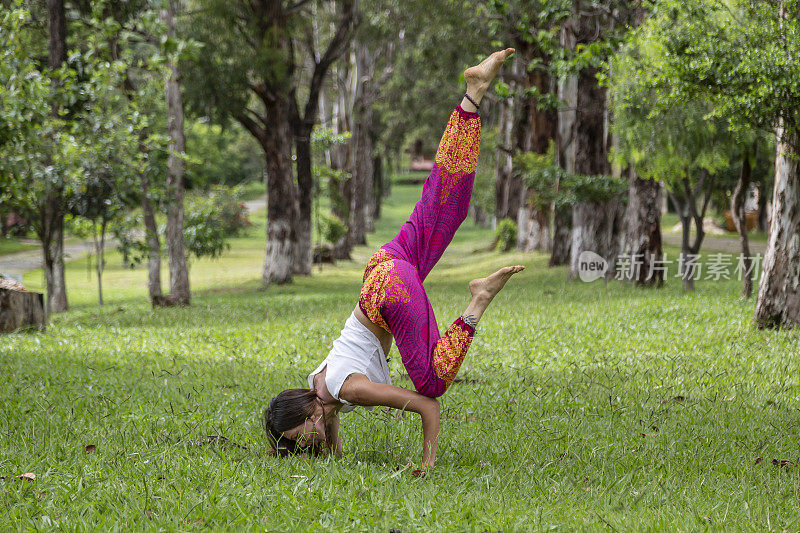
x=297, y=6
x=250, y=125
x=335, y=48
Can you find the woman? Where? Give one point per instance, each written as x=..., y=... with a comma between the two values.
x=393, y=304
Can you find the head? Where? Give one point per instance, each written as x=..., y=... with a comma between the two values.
x=295, y=422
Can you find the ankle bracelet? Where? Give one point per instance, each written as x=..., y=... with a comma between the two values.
x=469, y=320
x=468, y=97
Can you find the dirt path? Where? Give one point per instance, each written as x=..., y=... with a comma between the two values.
x=21, y=262
x=717, y=244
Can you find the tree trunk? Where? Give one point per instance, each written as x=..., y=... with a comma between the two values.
x=565, y=151
x=562, y=241
x=362, y=172
x=763, y=222
x=778, y=303
x=688, y=214
x=281, y=197
x=176, y=249
x=52, y=213
x=740, y=220
x=301, y=263
x=504, y=162
x=686, y=228
x=643, y=231
x=533, y=229
x=52, y=238
x=478, y=215
x=362, y=186
x=377, y=187
x=596, y=226
x=537, y=130
x=152, y=238
x=21, y=310
x=99, y=251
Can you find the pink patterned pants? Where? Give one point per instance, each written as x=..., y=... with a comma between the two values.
x=392, y=295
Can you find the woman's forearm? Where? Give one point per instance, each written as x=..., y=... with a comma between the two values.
x=359, y=390
x=430, y=432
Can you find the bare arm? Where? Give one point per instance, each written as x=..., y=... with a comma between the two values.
x=359, y=390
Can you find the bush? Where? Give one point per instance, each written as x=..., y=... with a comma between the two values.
x=204, y=228
x=130, y=239
x=506, y=234
x=331, y=229
x=230, y=209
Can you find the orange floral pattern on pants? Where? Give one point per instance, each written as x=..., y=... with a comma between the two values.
x=458, y=150
x=381, y=256
x=451, y=349
x=381, y=287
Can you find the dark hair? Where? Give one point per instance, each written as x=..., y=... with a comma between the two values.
x=285, y=411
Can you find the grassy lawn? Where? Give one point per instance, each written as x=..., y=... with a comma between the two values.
x=582, y=406
x=10, y=245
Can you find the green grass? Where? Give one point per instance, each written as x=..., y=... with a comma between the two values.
x=10, y=245
x=582, y=406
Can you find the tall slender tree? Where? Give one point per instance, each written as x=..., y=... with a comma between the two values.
x=51, y=213
x=180, y=293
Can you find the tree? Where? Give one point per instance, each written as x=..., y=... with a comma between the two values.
x=527, y=119
x=105, y=186
x=179, y=293
x=251, y=70
x=590, y=35
x=743, y=56
x=679, y=146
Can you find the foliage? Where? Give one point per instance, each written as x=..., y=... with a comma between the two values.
x=740, y=54
x=548, y=182
x=331, y=228
x=211, y=218
x=506, y=234
x=203, y=231
x=230, y=209
x=225, y=156
x=131, y=243
x=669, y=143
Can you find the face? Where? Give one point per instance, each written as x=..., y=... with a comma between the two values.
x=312, y=432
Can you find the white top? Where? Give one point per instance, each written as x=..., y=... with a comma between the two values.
x=357, y=350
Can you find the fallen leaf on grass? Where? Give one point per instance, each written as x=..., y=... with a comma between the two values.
x=786, y=463
x=89, y=448
x=673, y=399
x=28, y=475
x=419, y=473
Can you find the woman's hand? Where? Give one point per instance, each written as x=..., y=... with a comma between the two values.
x=359, y=390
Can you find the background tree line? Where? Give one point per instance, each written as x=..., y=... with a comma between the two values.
x=605, y=108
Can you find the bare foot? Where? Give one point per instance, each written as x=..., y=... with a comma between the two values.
x=488, y=287
x=480, y=76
